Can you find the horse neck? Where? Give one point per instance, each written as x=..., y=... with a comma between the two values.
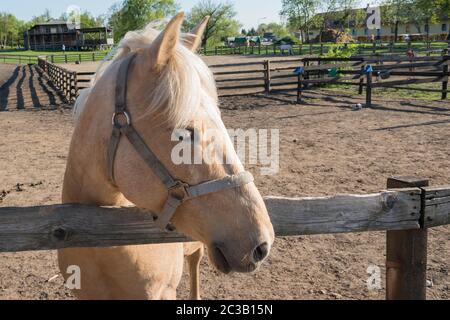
x=86, y=179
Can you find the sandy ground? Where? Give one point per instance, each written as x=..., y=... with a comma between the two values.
x=326, y=148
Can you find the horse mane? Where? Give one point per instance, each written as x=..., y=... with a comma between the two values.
x=185, y=85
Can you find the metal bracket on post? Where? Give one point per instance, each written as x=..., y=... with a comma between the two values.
x=406, y=254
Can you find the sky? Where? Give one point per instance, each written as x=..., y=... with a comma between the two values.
x=250, y=12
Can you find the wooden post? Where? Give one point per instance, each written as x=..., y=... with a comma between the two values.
x=361, y=81
x=369, y=90
x=267, y=76
x=445, y=82
x=406, y=255
x=321, y=49
x=299, y=87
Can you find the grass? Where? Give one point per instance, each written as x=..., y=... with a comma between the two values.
x=399, y=47
x=392, y=92
x=29, y=56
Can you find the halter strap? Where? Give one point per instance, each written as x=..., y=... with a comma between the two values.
x=178, y=191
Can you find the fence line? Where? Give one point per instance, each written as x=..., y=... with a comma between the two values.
x=63, y=79
x=63, y=226
x=278, y=75
x=428, y=48
x=18, y=59
x=405, y=213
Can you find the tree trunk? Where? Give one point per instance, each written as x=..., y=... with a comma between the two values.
x=396, y=31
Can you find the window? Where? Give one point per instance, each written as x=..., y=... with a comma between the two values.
x=353, y=32
x=427, y=28
x=366, y=31
x=392, y=29
x=444, y=27
x=407, y=29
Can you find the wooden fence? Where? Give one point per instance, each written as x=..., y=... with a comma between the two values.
x=18, y=59
x=63, y=79
x=363, y=72
x=405, y=213
x=75, y=58
x=376, y=48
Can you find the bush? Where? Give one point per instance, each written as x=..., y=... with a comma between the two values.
x=342, y=50
x=288, y=40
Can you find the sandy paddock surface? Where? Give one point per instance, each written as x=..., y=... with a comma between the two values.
x=326, y=148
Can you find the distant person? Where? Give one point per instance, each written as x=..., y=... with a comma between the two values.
x=64, y=48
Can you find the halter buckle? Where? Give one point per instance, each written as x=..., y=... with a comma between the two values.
x=179, y=191
x=115, y=119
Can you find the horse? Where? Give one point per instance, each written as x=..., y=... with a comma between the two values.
x=155, y=85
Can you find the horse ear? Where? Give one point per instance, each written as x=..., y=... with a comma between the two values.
x=163, y=48
x=193, y=41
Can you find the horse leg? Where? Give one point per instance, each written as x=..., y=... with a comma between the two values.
x=194, y=260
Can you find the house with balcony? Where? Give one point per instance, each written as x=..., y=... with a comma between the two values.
x=56, y=35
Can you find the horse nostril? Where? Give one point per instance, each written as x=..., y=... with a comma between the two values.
x=260, y=252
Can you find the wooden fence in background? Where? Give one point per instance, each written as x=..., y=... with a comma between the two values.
x=18, y=59
x=376, y=48
x=405, y=213
x=299, y=75
x=63, y=79
x=77, y=58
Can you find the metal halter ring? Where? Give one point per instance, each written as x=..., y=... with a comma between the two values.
x=116, y=115
x=180, y=191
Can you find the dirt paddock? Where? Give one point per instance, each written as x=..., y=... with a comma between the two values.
x=325, y=148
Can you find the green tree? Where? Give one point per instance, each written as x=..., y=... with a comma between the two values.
x=252, y=32
x=136, y=14
x=394, y=13
x=10, y=30
x=277, y=29
x=299, y=14
x=222, y=22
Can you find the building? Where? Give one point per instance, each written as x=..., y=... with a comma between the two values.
x=435, y=31
x=56, y=35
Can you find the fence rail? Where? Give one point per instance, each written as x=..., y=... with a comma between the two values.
x=376, y=48
x=278, y=75
x=65, y=80
x=18, y=59
x=75, y=58
x=405, y=213
x=63, y=226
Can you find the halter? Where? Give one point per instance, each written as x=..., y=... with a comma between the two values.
x=177, y=190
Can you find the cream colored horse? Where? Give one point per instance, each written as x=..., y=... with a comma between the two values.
x=169, y=87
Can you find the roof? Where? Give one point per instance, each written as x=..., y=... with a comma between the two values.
x=51, y=23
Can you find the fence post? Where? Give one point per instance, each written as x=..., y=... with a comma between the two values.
x=321, y=49
x=361, y=80
x=406, y=255
x=299, y=87
x=369, y=90
x=267, y=76
x=445, y=82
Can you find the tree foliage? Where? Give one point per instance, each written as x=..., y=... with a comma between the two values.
x=222, y=22
x=299, y=14
x=136, y=14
